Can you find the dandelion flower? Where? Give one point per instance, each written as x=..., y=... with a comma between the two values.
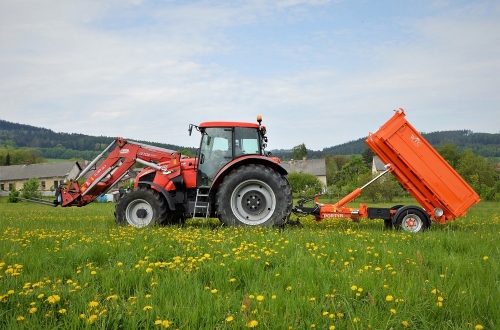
x=260, y=297
x=393, y=311
x=485, y=258
x=32, y=310
x=389, y=298
x=93, y=304
x=252, y=324
x=232, y=280
x=478, y=327
x=62, y=311
x=53, y=299
x=354, y=288
x=166, y=323
x=229, y=318
x=92, y=318
x=214, y=291
x=289, y=288
x=20, y=318
x=332, y=327
x=273, y=296
x=405, y=324
x=40, y=296
x=158, y=322
x=147, y=308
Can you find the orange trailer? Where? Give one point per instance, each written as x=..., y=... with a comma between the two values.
x=437, y=187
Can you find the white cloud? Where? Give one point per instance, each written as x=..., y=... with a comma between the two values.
x=146, y=70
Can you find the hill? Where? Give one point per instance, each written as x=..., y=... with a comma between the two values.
x=50, y=144
x=483, y=144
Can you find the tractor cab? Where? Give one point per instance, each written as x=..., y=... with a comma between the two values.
x=222, y=142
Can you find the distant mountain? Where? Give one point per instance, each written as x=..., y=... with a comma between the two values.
x=50, y=144
x=484, y=144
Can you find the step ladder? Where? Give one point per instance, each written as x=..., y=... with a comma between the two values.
x=201, y=203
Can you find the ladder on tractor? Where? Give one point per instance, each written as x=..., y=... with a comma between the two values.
x=201, y=203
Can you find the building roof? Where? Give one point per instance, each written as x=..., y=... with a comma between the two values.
x=39, y=171
x=311, y=166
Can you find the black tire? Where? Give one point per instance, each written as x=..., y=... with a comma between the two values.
x=411, y=219
x=267, y=196
x=141, y=207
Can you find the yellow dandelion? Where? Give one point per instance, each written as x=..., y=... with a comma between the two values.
x=147, y=308
x=273, y=296
x=82, y=316
x=232, y=280
x=439, y=304
x=120, y=264
x=92, y=319
x=214, y=291
x=53, y=299
x=405, y=324
x=166, y=323
x=32, y=310
x=252, y=324
x=289, y=288
x=260, y=297
x=112, y=297
x=389, y=298
x=229, y=318
x=158, y=322
x=312, y=299
x=332, y=327
x=485, y=258
x=62, y=311
x=93, y=272
x=93, y=304
x=393, y=311
x=478, y=327
x=40, y=296
x=20, y=318
x=354, y=288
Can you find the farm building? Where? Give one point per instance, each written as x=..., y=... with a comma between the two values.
x=50, y=175
x=312, y=166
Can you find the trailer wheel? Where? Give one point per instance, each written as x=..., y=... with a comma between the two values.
x=412, y=219
x=141, y=207
x=254, y=195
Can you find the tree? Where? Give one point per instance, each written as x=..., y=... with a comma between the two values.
x=31, y=188
x=299, y=152
x=333, y=165
x=304, y=184
x=350, y=173
x=7, y=159
x=367, y=156
x=450, y=153
x=382, y=190
x=477, y=171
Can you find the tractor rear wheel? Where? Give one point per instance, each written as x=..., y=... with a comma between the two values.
x=142, y=207
x=254, y=195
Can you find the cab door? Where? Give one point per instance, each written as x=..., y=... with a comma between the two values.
x=215, y=152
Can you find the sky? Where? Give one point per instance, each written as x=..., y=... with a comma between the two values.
x=319, y=72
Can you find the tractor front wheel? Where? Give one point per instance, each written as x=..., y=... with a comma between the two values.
x=141, y=207
x=254, y=195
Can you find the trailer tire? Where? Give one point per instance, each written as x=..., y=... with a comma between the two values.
x=411, y=219
x=254, y=195
x=141, y=207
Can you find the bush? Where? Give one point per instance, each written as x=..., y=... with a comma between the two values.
x=13, y=195
x=304, y=184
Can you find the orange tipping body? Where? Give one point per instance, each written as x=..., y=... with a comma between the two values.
x=421, y=170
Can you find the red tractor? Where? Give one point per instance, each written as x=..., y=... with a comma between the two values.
x=231, y=178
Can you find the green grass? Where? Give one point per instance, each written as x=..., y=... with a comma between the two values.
x=320, y=275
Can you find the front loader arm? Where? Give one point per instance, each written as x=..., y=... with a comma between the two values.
x=113, y=169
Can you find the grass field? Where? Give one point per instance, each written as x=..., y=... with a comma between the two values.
x=74, y=268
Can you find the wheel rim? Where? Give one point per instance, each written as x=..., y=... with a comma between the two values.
x=412, y=223
x=253, y=202
x=139, y=213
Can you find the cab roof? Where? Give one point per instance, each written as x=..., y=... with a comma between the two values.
x=227, y=124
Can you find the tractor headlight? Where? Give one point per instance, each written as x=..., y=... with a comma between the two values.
x=438, y=212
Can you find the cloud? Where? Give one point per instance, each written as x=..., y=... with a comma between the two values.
x=320, y=72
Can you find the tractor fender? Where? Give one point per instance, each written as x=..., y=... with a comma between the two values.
x=165, y=193
x=245, y=160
